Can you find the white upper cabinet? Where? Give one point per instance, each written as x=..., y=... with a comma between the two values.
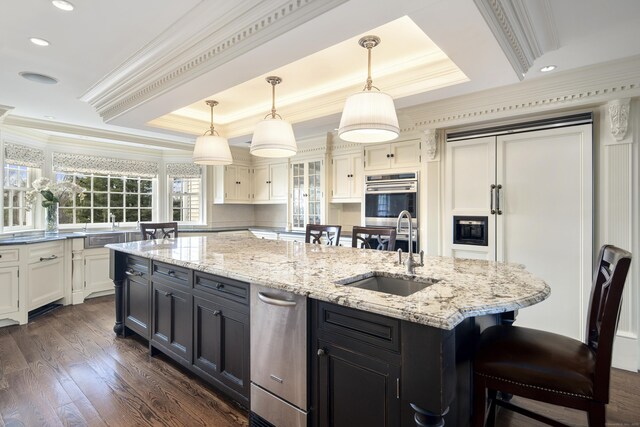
x=347, y=177
x=232, y=184
x=270, y=183
x=392, y=155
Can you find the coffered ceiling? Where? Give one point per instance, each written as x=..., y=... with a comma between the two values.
x=140, y=71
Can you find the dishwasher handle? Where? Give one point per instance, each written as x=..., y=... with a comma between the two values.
x=275, y=301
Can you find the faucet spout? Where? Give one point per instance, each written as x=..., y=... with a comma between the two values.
x=410, y=263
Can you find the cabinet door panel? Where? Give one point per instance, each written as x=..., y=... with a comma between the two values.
x=405, y=154
x=136, y=306
x=355, y=389
x=46, y=282
x=340, y=176
x=261, y=183
x=207, y=323
x=8, y=289
x=234, y=364
x=172, y=320
x=244, y=183
x=96, y=272
x=279, y=180
x=377, y=157
x=357, y=177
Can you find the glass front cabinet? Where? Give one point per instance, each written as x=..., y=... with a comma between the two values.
x=307, y=188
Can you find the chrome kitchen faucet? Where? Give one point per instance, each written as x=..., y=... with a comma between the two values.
x=410, y=262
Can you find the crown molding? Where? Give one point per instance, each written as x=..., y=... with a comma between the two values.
x=585, y=86
x=511, y=25
x=171, y=59
x=87, y=132
x=4, y=110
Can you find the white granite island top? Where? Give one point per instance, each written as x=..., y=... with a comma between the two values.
x=463, y=288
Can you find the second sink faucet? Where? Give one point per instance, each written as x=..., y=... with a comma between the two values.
x=410, y=262
x=112, y=218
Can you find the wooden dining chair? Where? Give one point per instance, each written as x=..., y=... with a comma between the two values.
x=552, y=368
x=315, y=232
x=384, y=238
x=158, y=230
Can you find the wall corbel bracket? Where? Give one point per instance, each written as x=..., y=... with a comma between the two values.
x=619, y=117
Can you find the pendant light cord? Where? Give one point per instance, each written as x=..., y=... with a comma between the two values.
x=211, y=104
x=273, y=100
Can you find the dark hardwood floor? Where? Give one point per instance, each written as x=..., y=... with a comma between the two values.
x=68, y=368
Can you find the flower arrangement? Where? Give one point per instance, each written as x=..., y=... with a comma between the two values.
x=53, y=194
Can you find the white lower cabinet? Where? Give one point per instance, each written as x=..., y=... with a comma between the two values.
x=45, y=274
x=9, y=290
x=96, y=272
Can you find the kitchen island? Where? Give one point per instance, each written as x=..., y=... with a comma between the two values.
x=425, y=339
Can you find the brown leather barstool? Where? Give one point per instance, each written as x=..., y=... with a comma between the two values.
x=158, y=230
x=385, y=238
x=553, y=368
x=316, y=231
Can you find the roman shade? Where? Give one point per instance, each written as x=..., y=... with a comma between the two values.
x=22, y=155
x=80, y=163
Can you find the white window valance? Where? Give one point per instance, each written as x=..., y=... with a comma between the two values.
x=80, y=163
x=24, y=156
x=183, y=170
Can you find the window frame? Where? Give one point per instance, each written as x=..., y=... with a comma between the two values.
x=29, y=211
x=109, y=194
x=171, y=194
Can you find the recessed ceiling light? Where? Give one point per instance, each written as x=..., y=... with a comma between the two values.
x=63, y=5
x=39, y=42
x=39, y=78
x=548, y=68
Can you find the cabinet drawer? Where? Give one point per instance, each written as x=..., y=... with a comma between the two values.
x=9, y=255
x=45, y=251
x=374, y=329
x=170, y=273
x=223, y=287
x=137, y=268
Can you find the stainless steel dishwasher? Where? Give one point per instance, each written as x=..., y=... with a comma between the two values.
x=278, y=358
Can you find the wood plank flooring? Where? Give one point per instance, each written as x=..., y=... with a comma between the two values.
x=67, y=368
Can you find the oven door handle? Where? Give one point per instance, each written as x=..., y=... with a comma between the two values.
x=275, y=301
x=390, y=189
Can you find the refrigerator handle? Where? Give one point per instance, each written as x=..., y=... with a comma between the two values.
x=498, y=210
x=493, y=187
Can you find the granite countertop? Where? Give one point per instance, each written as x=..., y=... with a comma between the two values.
x=463, y=288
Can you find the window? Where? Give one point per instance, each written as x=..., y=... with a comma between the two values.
x=128, y=199
x=185, y=199
x=17, y=181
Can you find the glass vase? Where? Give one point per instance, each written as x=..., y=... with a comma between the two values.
x=51, y=219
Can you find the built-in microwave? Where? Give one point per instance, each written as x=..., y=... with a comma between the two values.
x=386, y=195
x=470, y=230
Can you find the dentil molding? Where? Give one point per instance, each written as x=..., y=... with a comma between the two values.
x=511, y=25
x=619, y=117
x=582, y=87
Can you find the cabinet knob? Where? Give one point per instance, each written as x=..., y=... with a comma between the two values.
x=217, y=312
x=388, y=156
x=167, y=294
x=322, y=352
x=219, y=286
x=391, y=155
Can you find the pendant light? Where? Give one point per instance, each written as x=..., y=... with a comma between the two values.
x=211, y=148
x=369, y=116
x=273, y=136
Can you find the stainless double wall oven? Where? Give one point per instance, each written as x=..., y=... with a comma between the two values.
x=386, y=195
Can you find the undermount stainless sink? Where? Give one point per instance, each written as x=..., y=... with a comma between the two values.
x=395, y=285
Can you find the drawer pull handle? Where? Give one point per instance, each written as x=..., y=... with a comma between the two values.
x=275, y=301
x=131, y=272
x=217, y=312
x=171, y=272
x=49, y=258
x=219, y=285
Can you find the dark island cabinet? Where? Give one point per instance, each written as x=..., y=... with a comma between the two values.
x=221, y=344
x=356, y=371
x=136, y=296
x=197, y=319
x=355, y=389
x=172, y=322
